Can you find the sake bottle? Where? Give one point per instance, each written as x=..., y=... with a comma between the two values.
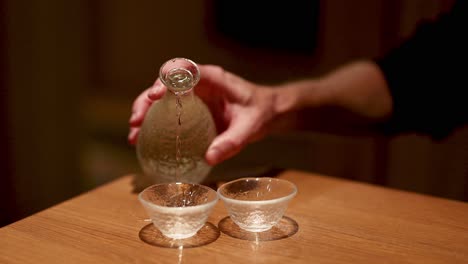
x=177, y=129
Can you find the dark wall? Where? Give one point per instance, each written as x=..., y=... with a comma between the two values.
x=7, y=195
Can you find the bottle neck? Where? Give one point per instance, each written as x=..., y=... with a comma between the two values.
x=185, y=97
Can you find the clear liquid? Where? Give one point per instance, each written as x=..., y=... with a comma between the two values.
x=179, y=79
x=178, y=143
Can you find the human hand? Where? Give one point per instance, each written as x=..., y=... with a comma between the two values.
x=242, y=110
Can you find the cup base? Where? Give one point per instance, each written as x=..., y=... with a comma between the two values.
x=285, y=228
x=206, y=235
x=255, y=229
x=180, y=236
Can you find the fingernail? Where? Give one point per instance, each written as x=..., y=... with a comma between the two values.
x=213, y=155
x=151, y=93
x=154, y=90
x=133, y=117
x=132, y=135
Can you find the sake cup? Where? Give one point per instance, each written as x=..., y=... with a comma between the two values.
x=178, y=210
x=257, y=204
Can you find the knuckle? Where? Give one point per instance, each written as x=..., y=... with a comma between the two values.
x=216, y=69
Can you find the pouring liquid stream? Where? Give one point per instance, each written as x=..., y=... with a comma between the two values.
x=180, y=79
x=178, y=139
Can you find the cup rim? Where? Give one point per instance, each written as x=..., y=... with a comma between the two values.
x=178, y=210
x=262, y=202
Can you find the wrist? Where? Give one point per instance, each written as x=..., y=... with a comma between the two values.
x=291, y=102
x=299, y=95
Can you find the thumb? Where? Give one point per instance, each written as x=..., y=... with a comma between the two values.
x=230, y=142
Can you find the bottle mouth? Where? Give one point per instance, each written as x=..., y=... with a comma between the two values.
x=179, y=75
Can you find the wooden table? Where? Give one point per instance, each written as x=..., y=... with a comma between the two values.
x=338, y=221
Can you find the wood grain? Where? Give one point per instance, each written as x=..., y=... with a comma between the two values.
x=338, y=222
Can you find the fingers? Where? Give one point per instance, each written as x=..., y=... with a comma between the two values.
x=230, y=85
x=157, y=91
x=141, y=106
x=133, y=135
x=231, y=141
x=144, y=101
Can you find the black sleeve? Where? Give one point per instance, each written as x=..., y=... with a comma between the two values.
x=427, y=76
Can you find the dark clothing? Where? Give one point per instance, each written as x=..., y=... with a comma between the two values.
x=428, y=76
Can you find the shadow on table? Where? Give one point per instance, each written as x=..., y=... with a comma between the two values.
x=286, y=227
x=206, y=235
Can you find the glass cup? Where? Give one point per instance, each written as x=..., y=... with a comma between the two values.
x=178, y=210
x=257, y=204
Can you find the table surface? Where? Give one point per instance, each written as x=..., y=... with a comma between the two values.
x=330, y=220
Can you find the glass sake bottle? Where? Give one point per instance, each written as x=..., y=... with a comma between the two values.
x=177, y=129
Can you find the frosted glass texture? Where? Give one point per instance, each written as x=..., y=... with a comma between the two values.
x=178, y=210
x=177, y=129
x=257, y=204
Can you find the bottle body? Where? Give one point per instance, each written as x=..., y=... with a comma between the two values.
x=174, y=137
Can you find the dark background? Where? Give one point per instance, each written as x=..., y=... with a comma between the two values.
x=71, y=69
